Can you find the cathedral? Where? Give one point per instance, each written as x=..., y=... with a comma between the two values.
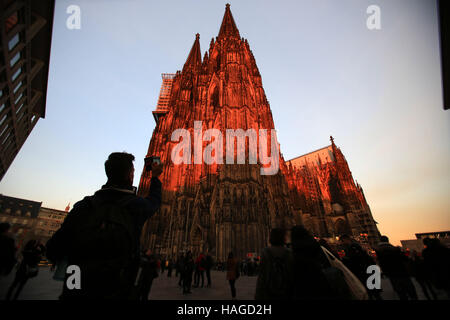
x=223, y=207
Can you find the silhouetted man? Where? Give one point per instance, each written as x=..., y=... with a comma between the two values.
x=7, y=250
x=101, y=234
x=393, y=264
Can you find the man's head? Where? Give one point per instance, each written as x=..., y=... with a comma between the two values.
x=384, y=239
x=119, y=169
x=277, y=237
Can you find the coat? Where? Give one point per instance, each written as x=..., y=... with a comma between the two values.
x=232, y=265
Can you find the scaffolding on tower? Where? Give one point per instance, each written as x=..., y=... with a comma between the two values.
x=164, y=96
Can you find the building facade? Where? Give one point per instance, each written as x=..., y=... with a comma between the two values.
x=49, y=220
x=222, y=207
x=22, y=215
x=25, y=37
x=417, y=244
x=328, y=199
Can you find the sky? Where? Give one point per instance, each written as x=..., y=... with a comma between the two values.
x=377, y=92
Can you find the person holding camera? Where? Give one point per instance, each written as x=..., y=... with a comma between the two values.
x=101, y=234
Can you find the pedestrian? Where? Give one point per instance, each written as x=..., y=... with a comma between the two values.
x=232, y=273
x=393, y=264
x=200, y=264
x=148, y=272
x=437, y=262
x=188, y=269
x=276, y=269
x=28, y=268
x=101, y=234
x=314, y=277
x=419, y=272
x=209, y=263
x=169, y=268
x=358, y=260
x=180, y=267
x=7, y=250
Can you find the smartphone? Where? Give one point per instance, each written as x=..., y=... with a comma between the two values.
x=149, y=161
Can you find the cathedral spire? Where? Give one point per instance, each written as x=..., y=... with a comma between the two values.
x=195, y=58
x=228, y=27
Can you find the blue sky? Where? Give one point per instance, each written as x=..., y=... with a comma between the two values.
x=324, y=73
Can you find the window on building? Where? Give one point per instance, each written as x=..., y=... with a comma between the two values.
x=8, y=211
x=15, y=59
x=14, y=220
x=18, y=212
x=11, y=21
x=17, y=88
x=28, y=214
x=6, y=138
x=13, y=42
x=16, y=74
x=3, y=119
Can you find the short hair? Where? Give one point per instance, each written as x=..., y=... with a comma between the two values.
x=384, y=239
x=4, y=227
x=299, y=233
x=277, y=237
x=118, y=166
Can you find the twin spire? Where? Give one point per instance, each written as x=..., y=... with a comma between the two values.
x=227, y=29
x=195, y=58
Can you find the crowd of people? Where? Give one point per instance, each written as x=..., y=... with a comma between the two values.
x=102, y=233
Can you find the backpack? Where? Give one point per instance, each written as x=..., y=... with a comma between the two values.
x=278, y=276
x=106, y=232
x=101, y=238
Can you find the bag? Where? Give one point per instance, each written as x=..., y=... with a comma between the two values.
x=100, y=237
x=356, y=288
x=278, y=276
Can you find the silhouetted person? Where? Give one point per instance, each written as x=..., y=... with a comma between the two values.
x=358, y=260
x=7, y=250
x=232, y=273
x=180, y=267
x=169, y=268
x=393, y=264
x=200, y=270
x=276, y=269
x=419, y=272
x=437, y=263
x=209, y=263
x=314, y=278
x=148, y=272
x=101, y=234
x=28, y=268
x=188, y=269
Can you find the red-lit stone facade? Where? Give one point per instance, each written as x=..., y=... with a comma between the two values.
x=232, y=207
